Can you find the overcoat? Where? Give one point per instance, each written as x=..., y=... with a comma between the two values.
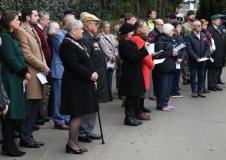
x=13, y=72
x=147, y=63
x=99, y=63
x=218, y=55
x=34, y=57
x=78, y=95
x=132, y=80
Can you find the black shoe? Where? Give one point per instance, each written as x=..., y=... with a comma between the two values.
x=14, y=153
x=144, y=109
x=220, y=82
x=71, y=150
x=40, y=122
x=94, y=137
x=194, y=95
x=206, y=91
x=212, y=89
x=37, y=142
x=29, y=144
x=186, y=81
x=35, y=128
x=85, y=139
x=201, y=95
x=46, y=119
x=132, y=121
x=219, y=89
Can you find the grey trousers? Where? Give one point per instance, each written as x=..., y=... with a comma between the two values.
x=88, y=124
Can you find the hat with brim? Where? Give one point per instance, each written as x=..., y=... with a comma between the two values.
x=126, y=28
x=89, y=17
x=215, y=17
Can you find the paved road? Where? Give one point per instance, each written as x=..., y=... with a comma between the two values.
x=195, y=130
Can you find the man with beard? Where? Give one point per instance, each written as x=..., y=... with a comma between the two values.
x=35, y=59
x=187, y=28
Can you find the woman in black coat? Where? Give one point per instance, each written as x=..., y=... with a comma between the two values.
x=132, y=81
x=78, y=95
x=165, y=71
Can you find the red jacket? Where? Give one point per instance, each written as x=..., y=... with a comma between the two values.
x=147, y=63
x=45, y=47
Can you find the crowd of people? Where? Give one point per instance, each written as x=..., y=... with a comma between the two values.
x=78, y=57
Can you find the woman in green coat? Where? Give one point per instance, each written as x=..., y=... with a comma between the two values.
x=14, y=75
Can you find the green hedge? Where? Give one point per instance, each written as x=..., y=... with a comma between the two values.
x=105, y=9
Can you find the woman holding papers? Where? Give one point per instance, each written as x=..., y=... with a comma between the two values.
x=140, y=36
x=198, y=51
x=78, y=95
x=14, y=75
x=178, y=39
x=165, y=71
x=109, y=45
x=132, y=80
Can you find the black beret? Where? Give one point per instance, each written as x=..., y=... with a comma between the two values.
x=125, y=28
x=69, y=10
x=190, y=13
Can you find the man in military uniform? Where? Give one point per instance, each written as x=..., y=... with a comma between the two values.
x=187, y=28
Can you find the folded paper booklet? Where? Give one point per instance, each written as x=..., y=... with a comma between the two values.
x=178, y=66
x=110, y=64
x=204, y=59
x=179, y=47
x=24, y=85
x=150, y=47
x=42, y=78
x=158, y=61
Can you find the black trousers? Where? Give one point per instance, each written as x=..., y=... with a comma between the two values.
x=8, y=130
x=132, y=105
x=213, y=76
x=27, y=124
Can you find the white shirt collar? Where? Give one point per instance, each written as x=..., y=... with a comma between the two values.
x=197, y=34
x=40, y=26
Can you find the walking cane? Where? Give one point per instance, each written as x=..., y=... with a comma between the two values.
x=101, y=131
x=100, y=124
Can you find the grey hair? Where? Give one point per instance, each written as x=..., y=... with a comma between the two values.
x=104, y=24
x=43, y=14
x=73, y=24
x=194, y=24
x=159, y=21
x=167, y=28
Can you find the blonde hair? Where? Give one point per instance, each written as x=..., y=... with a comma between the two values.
x=203, y=21
x=52, y=28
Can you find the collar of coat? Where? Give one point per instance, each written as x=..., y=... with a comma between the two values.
x=202, y=36
x=140, y=42
x=28, y=28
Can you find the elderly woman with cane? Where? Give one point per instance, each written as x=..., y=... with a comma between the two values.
x=78, y=83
